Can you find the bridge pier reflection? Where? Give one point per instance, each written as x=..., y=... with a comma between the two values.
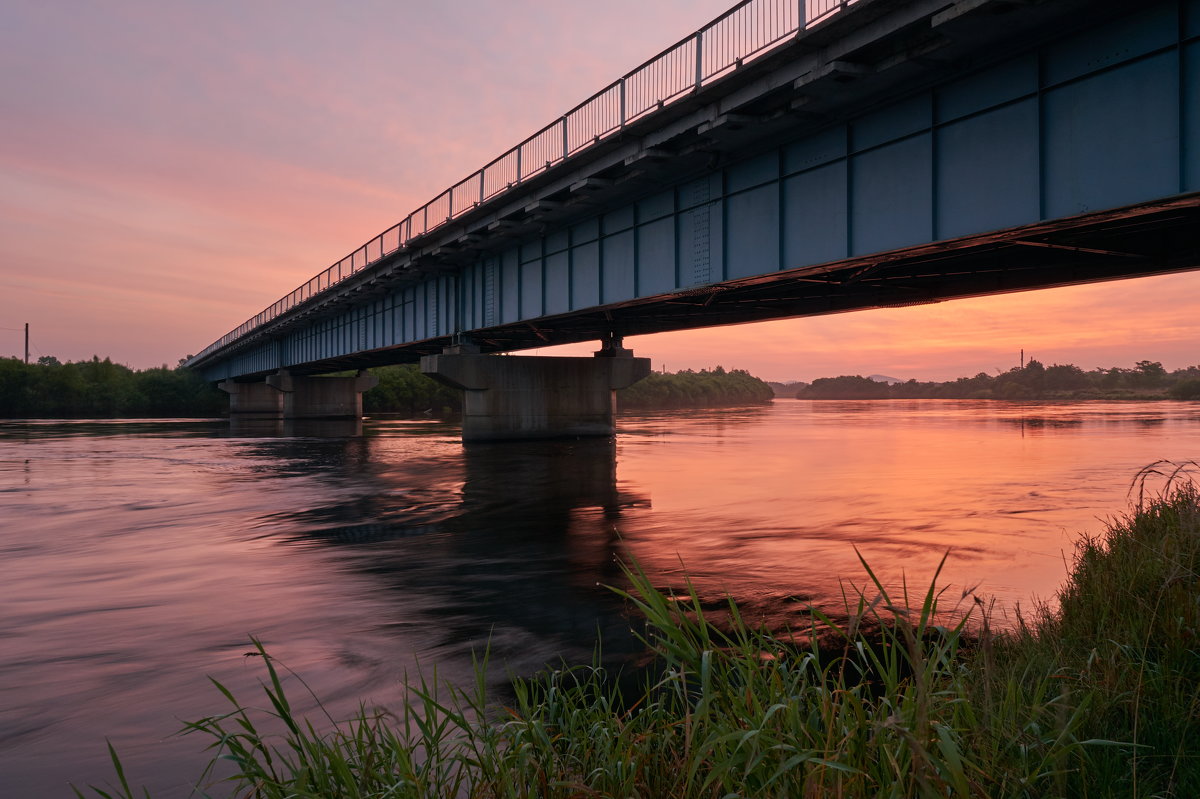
x=508, y=547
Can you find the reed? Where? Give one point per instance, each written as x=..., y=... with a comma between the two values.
x=1097, y=697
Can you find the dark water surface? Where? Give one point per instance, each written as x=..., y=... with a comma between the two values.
x=138, y=557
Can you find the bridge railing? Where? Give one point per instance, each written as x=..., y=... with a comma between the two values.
x=747, y=31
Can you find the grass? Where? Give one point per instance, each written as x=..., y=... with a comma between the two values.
x=1098, y=697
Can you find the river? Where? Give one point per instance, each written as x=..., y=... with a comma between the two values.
x=140, y=556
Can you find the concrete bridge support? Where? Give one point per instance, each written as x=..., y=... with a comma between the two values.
x=321, y=397
x=251, y=400
x=514, y=397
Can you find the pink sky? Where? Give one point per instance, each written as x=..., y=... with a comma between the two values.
x=168, y=169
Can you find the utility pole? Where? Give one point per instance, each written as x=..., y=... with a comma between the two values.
x=1022, y=358
x=26, y=343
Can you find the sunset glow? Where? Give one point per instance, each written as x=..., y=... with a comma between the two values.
x=168, y=170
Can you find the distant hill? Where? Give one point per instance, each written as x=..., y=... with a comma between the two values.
x=891, y=381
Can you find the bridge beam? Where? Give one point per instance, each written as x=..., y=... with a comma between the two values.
x=523, y=397
x=321, y=397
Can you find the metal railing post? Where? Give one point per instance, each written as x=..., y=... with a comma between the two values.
x=565, y=146
x=700, y=59
x=622, y=102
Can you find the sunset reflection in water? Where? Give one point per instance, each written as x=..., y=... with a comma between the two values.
x=139, y=557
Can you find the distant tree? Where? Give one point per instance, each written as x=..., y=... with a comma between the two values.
x=690, y=389
x=1185, y=390
x=48, y=360
x=845, y=387
x=1148, y=374
x=1064, y=377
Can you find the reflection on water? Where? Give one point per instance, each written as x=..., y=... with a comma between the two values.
x=139, y=556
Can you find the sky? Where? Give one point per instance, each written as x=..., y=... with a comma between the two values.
x=168, y=168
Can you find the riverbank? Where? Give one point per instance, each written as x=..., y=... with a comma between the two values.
x=100, y=389
x=1097, y=697
x=1147, y=380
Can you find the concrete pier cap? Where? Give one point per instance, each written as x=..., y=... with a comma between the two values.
x=509, y=397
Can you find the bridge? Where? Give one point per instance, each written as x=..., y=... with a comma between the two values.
x=791, y=158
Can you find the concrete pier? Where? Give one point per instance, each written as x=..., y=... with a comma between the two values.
x=523, y=397
x=253, y=400
x=321, y=397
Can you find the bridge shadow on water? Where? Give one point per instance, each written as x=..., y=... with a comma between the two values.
x=507, y=545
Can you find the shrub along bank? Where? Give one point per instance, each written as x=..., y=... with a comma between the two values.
x=1096, y=698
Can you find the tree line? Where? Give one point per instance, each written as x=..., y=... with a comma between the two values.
x=689, y=389
x=102, y=389
x=1034, y=380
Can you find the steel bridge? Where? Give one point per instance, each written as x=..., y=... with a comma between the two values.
x=791, y=158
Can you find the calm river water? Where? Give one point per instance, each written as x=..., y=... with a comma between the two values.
x=138, y=557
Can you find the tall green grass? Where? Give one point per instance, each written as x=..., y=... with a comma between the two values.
x=1098, y=697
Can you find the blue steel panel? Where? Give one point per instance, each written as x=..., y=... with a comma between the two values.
x=447, y=305
x=988, y=171
x=585, y=275
x=716, y=234
x=821, y=148
x=891, y=196
x=617, y=257
x=587, y=230
x=696, y=254
x=656, y=257
x=396, y=320
x=510, y=287
x=754, y=172
x=753, y=232
x=408, y=315
x=991, y=87
x=558, y=283
x=656, y=206
x=472, y=291
x=893, y=122
x=419, y=329
x=531, y=290
x=1129, y=37
x=491, y=291
x=531, y=251
x=814, y=216
x=1113, y=139
x=701, y=191
x=433, y=308
x=1192, y=18
x=1191, y=111
x=618, y=220
x=482, y=276
x=556, y=241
